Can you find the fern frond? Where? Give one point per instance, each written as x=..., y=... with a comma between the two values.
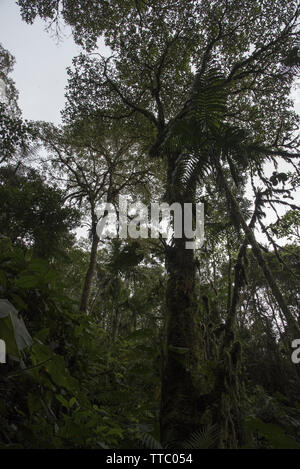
x=189, y=169
x=204, y=438
x=204, y=111
x=148, y=441
x=208, y=101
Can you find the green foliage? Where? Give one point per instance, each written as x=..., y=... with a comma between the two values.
x=78, y=389
x=270, y=436
x=33, y=213
x=13, y=330
x=288, y=225
x=205, y=438
x=202, y=89
x=16, y=135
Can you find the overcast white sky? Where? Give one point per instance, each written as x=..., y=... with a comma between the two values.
x=40, y=70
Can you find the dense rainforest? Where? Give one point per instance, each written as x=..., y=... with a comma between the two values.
x=138, y=342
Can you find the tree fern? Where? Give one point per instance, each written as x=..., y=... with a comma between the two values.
x=192, y=134
x=204, y=110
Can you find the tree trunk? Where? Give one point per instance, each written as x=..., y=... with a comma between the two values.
x=235, y=209
x=85, y=295
x=179, y=413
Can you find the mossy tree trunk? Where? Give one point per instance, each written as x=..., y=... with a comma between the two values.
x=179, y=415
x=86, y=290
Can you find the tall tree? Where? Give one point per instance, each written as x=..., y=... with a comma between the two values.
x=16, y=135
x=95, y=168
x=34, y=214
x=198, y=82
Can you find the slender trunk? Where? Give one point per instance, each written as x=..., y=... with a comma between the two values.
x=85, y=295
x=292, y=324
x=228, y=385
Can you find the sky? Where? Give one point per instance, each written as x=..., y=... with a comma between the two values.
x=41, y=61
x=40, y=70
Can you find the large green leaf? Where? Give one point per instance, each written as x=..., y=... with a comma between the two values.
x=13, y=330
